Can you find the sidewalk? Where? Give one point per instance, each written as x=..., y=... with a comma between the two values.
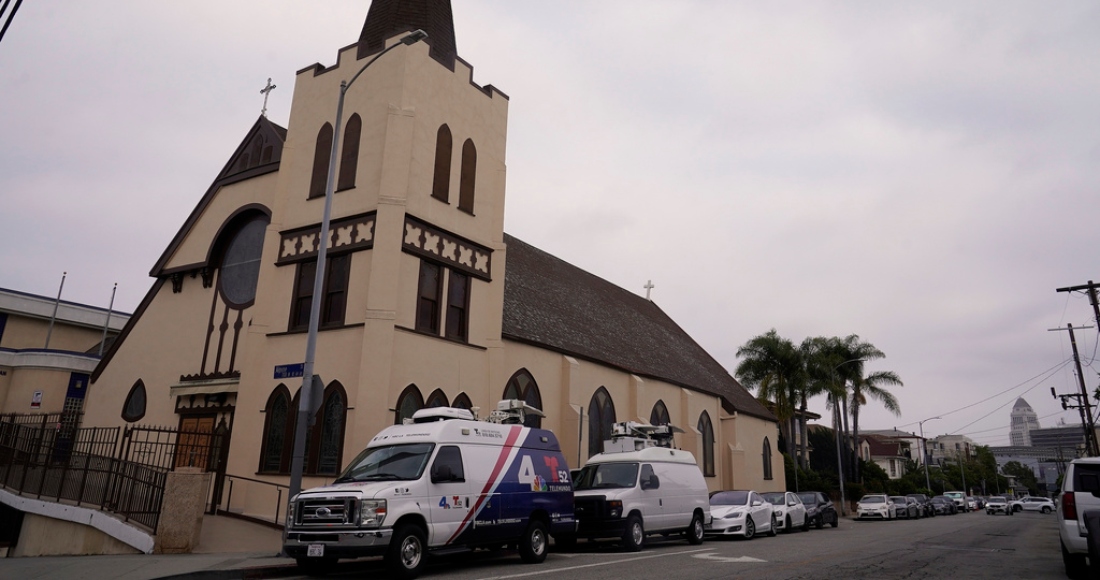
x=228, y=548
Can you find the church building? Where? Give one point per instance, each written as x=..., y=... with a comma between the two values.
x=426, y=300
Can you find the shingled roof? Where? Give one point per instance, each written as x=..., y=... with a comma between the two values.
x=556, y=305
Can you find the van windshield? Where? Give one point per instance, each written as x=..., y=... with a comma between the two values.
x=607, y=475
x=389, y=463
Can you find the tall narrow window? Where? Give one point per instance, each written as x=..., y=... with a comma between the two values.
x=706, y=431
x=321, y=152
x=522, y=386
x=659, y=414
x=437, y=399
x=466, y=180
x=458, y=302
x=409, y=402
x=134, y=407
x=462, y=401
x=427, y=305
x=334, y=293
x=441, y=183
x=329, y=431
x=767, y=453
x=349, y=153
x=601, y=416
x=240, y=264
x=278, y=438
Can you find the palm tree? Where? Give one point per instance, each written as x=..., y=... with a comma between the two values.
x=867, y=387
x=774, y=366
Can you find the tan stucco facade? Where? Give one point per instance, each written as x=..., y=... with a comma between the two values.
x=185, y=347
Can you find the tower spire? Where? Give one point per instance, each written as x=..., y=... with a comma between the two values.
x=389, y=18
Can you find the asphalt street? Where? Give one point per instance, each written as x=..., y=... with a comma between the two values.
x=973, y=545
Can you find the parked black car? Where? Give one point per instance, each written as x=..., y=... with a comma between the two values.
x=944, y=505
x=925, y=503
x=819, y=509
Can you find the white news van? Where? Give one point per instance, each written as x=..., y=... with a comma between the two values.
x=638, y=486
x=444, y=483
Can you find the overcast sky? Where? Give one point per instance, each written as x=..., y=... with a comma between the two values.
x=924, y=175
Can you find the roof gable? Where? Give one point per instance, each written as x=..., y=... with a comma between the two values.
x=259, y=153
x=551, y=303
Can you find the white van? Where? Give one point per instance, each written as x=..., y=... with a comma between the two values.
x=639, y=486
x=445, y=482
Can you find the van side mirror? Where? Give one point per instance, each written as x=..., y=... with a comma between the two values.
x=651, y=482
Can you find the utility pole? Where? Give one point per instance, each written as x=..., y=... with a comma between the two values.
x=1085, y=406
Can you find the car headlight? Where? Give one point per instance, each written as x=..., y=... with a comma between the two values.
x=290, y=514
x=614, y=508
x=372, y=512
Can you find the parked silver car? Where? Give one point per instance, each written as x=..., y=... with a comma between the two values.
x=905, y=507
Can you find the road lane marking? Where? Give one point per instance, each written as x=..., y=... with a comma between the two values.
x=735, y=559
x=582, y=566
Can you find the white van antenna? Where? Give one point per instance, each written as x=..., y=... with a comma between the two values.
x=513, y=412
x=633, y=436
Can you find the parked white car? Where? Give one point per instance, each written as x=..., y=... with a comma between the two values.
x=1080, y=494
x=1032, y=504
x=875, y=507
x=740, y=513
x=790, y=513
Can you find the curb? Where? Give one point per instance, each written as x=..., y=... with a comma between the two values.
x=256, y=572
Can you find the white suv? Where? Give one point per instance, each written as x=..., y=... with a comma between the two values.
x=1080, y=493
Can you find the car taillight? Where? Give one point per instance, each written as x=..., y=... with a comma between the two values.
x=1069, y=506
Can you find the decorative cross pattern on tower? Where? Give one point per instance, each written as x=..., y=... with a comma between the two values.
x=648, y=286
x=265, y=92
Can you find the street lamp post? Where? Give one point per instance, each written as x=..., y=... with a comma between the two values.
x=836, y=430
x=924, y=453
x=306, y=404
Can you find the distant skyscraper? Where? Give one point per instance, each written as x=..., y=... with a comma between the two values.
x=1024, y=420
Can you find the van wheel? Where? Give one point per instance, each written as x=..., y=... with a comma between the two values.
x=533, y=544
x=406, y=553
x=1074, y=563
x=634, y=535
x=775, y=527
x=315, y=566
x=695, y=532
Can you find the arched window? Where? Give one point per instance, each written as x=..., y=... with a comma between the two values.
x=321, y=152
x=328, y=432
x=659, y=414
x=441, y=182
x=349, y=153
x=278, y=440
x=408, y=403
x=240, y=264
x=437, y=399
x=134, y=407
x=767, y=459
x=601, y=416
x=466, y=178
x=462, y=401
x=706, y=431
x=522, y=386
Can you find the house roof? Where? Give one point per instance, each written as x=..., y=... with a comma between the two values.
x=556, y=305
x=884, y=446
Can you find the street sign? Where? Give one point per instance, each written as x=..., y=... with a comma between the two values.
x=290, y=371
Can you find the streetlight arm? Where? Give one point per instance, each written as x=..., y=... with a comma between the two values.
x=412, y=38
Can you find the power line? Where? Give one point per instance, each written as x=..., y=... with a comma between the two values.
x=1051, y=370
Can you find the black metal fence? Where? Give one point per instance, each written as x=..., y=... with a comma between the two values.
x=44, y=456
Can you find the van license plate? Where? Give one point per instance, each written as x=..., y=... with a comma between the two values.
x=316, y=550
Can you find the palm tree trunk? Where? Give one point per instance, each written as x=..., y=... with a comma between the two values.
x=855, y=436
x=849, y=449
x=803, y=447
